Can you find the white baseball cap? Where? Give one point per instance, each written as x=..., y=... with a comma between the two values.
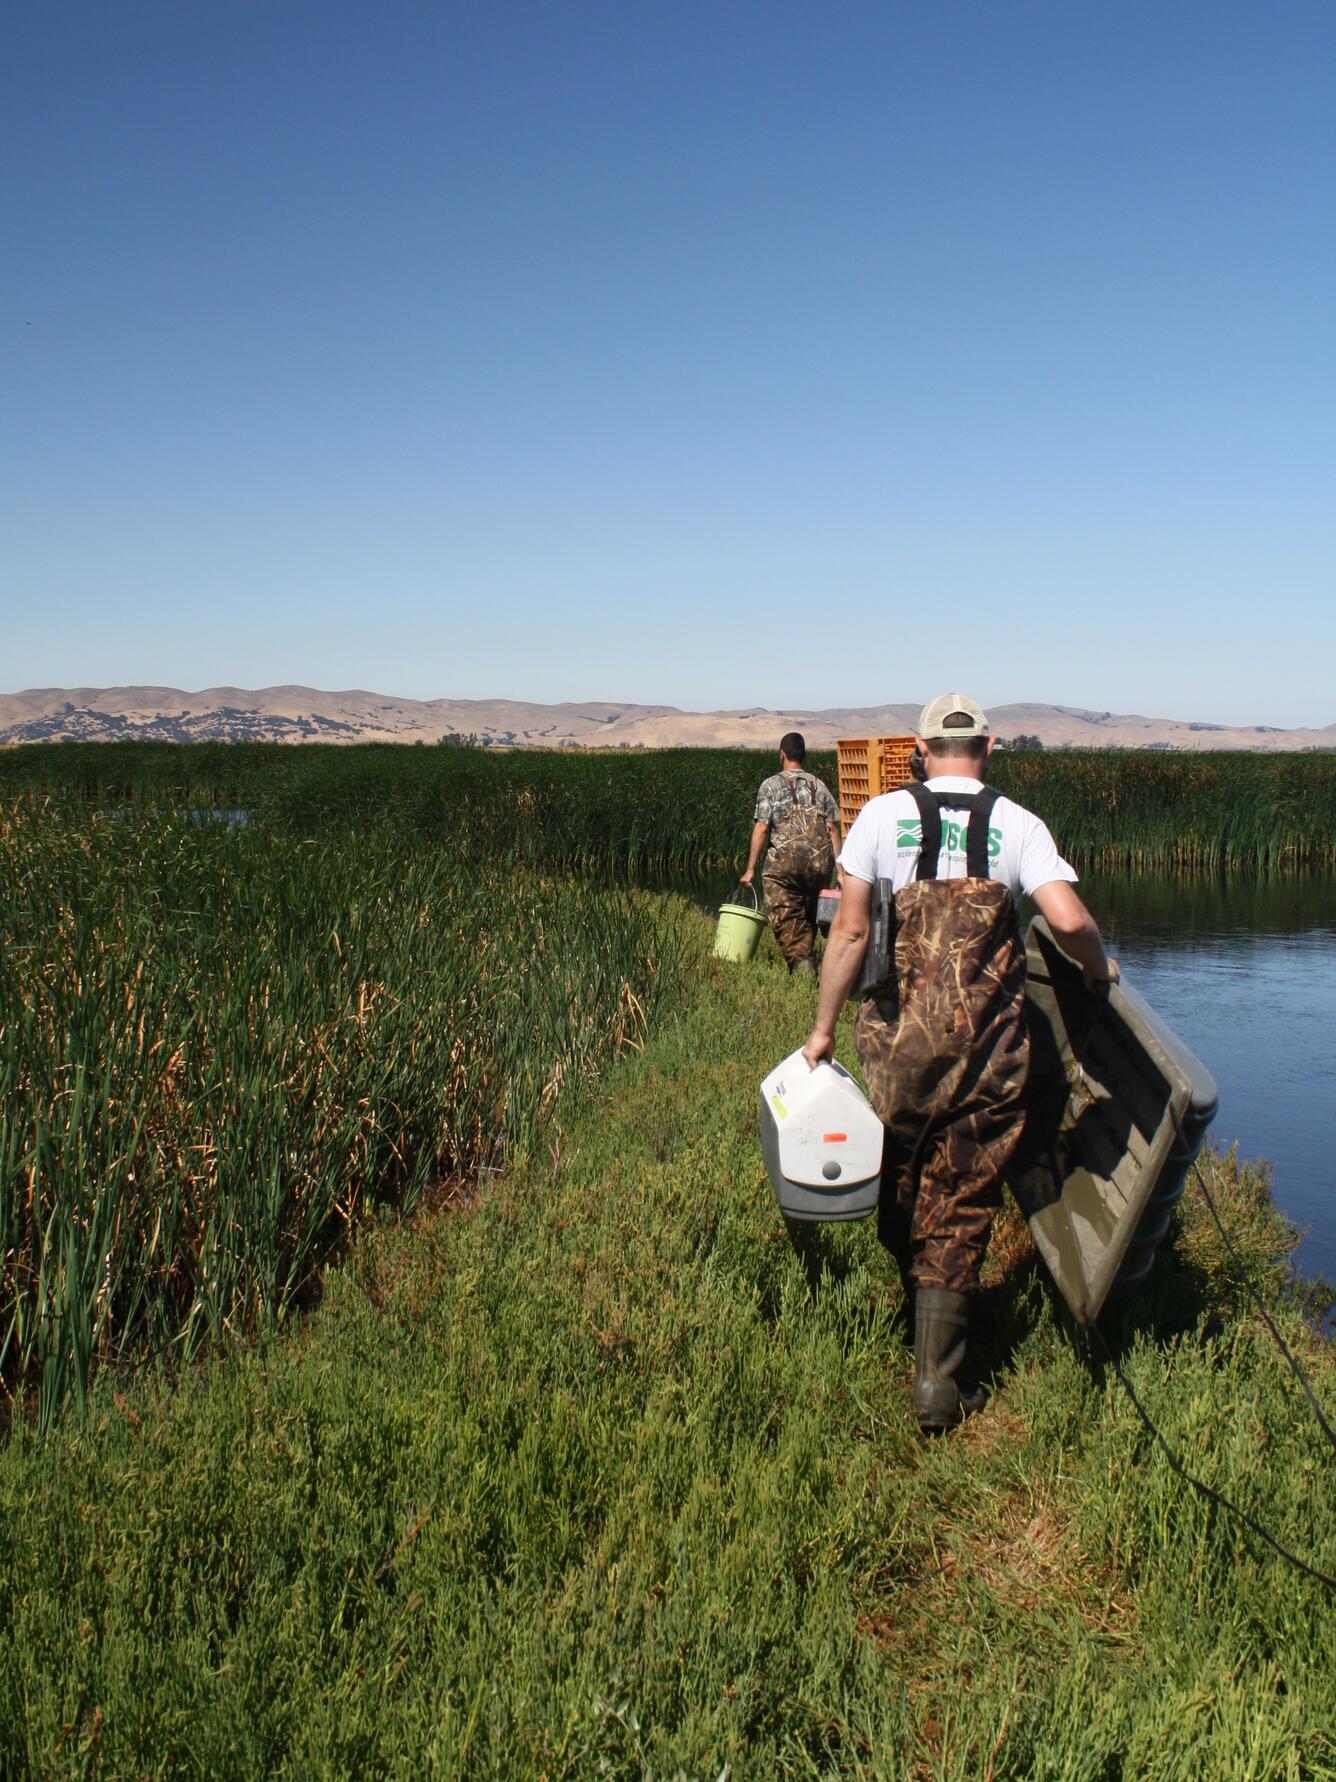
x=932, y=719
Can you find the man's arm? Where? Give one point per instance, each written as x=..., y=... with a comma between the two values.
x=836, y=843
x=840, y=966
x=1075, y=931
x=758, y=835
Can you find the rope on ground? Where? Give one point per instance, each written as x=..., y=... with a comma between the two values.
x=1259, y=1302
x=1200, y=1485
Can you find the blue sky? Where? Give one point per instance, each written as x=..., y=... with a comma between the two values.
x=714, y=355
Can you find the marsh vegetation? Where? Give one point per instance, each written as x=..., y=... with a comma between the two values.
x=604, y=1476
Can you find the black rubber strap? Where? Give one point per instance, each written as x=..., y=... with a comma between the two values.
x=930, y=821
x=976, y=837
x=930, y=807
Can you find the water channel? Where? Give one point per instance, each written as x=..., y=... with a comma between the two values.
x=1243, y=968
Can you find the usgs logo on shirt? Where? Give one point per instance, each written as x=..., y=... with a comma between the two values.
x=909, y=837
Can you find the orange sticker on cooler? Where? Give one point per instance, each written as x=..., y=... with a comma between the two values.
x=834, y=1138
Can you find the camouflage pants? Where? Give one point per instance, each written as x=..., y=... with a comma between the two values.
x=792, y=884
x=945, y=1056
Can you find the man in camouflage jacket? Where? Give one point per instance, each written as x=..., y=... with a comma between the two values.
x=796, y=812
x=942, y=1038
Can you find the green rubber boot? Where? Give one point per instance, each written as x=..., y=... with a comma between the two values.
x=941, y=1325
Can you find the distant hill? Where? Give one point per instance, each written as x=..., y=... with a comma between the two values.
x=304, y=714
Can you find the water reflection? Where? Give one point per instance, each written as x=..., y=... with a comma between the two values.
x=1244, y=970
x=1160, y=908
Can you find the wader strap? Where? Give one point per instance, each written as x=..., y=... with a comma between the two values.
x=976, y=836
x=930, y=807
x=930, y=822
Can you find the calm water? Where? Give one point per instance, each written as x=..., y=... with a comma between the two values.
x=1244, y=970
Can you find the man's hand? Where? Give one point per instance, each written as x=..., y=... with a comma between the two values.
x=820, y=1045
x=1094, y=982
x=758, y=835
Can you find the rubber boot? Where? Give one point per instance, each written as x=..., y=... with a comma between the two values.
x=941, y=1325
x=805, y=968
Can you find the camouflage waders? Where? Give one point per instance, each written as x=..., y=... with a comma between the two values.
x=944, y=1053
x=797, y=868
x=791, y=891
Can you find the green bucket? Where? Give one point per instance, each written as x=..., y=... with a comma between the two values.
x=739, y=931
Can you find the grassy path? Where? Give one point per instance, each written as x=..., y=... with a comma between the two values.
x=605, y=1478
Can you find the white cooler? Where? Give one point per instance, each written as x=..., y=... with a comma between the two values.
x=821, y=1141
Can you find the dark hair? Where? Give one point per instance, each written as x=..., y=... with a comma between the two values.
x=959, y=748
x=793, y=746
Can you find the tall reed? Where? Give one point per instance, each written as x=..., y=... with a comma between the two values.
x=687, y=811
x=217, y=1044
x=1151, y=809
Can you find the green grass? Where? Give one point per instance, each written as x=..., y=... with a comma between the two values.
x=606, y=1478
x=685, y=811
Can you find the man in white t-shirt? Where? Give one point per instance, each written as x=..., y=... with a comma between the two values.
x=941, y=1034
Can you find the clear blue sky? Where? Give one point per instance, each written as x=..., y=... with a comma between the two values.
x=718, y=355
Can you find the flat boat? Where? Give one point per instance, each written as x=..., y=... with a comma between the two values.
x=1118, y=1110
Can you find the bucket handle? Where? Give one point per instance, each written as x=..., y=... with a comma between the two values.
x=756, y=902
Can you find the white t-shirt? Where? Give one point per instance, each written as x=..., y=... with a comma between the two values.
x=884, y=840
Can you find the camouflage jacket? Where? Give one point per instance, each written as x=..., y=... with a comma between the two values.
x=798, y=807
